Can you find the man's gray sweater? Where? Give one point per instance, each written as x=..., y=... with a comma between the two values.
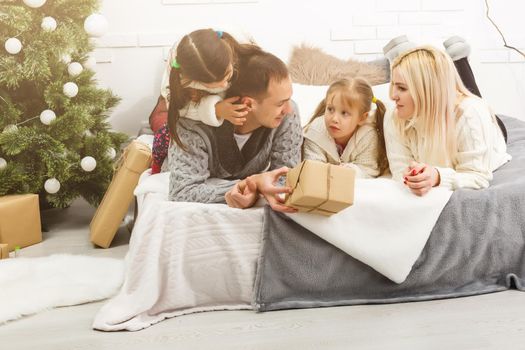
x=213, y=162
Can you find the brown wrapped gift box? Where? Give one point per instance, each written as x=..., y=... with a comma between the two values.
x=20, y=220
x=4, y=251
x=135, y=159
x=320, y=188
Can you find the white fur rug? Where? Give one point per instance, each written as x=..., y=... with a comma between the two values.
x=31, y=285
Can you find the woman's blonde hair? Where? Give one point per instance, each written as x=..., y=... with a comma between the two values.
x=357, y=93
x=437, y=90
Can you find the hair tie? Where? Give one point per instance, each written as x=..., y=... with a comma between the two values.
x=175, y=64
x=219, y=33
x=374, y=99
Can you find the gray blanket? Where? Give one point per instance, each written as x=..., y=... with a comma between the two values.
x=477, y=246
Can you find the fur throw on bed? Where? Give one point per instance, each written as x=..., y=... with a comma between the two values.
x=312, y=66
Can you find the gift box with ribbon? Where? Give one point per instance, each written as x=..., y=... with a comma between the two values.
x=20, y=220
x=4, y=250
x=320, y=188
x=134, y=160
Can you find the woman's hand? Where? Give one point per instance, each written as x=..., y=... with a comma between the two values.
x=235, y=113
x=241, y=196
x=420, y=178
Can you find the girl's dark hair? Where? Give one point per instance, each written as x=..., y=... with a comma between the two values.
x=358, y=93
x=204, y=56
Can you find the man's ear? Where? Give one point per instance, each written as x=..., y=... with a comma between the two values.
x=248, y=101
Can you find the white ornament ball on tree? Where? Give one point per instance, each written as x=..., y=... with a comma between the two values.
x=90, y=63
x=74, y=69
x=49, y=24
x=88, y=163
x=52, y=186
x=47, y=116
x=111, y=153
x=13, y=46
x=11, y=128
x=65, y=58
x=96, y=25
x=34, y=3
x=70, y=89
x=3, y=163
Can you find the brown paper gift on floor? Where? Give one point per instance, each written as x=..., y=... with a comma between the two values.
x=111, y=211
x=4, y=251
x=20, y=220
x=320, y=188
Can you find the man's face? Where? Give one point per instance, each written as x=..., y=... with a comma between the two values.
x=270, y=111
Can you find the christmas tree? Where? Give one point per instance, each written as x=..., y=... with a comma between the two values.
x=54, y=136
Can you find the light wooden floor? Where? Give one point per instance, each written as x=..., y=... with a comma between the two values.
x=492, y=321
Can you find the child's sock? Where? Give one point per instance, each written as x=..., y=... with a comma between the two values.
x=457, y=47
x=397, y=46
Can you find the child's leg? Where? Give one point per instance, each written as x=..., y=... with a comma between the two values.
x=467, y=76
x=458, y=50
x=161, y=143
x=456, y=47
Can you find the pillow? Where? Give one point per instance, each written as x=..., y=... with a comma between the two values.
x=308, y=97
x=310, y=65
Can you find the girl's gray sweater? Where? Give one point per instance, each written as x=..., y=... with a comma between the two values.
x=213, y=162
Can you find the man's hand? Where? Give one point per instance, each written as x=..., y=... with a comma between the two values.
x=265, y=184
x=420, y=178
x=234, y=113
x=241, y=196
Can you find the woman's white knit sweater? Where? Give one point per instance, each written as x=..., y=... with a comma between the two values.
x=480, y=142
x=360, y=153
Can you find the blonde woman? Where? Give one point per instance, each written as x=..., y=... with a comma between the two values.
x=439, y=134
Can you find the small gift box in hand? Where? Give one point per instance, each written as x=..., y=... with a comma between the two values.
x=320, y=188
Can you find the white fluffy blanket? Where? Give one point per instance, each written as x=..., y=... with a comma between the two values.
x=184, y=258
x=189, y=257
x=386, y=228
x=30, y=285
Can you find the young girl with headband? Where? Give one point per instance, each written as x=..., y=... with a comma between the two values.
x=347, y=129
x=201, y=67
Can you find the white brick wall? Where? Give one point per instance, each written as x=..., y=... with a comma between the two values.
x=517, y=57
x=141, y=33
x=442, y=5
x=494, y=56
x=352, y=33
x=369, y=46
x=420, y=17
x=375, y=19
x=118, y=40
x=389, y=32
x=397, y=5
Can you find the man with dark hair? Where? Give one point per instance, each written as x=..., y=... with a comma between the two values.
x=234, y=164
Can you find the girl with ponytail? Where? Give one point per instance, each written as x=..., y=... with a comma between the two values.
x=201, y=67
x=347, y=129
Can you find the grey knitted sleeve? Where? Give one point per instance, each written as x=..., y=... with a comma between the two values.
x=287, y=142
x=189, y=173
